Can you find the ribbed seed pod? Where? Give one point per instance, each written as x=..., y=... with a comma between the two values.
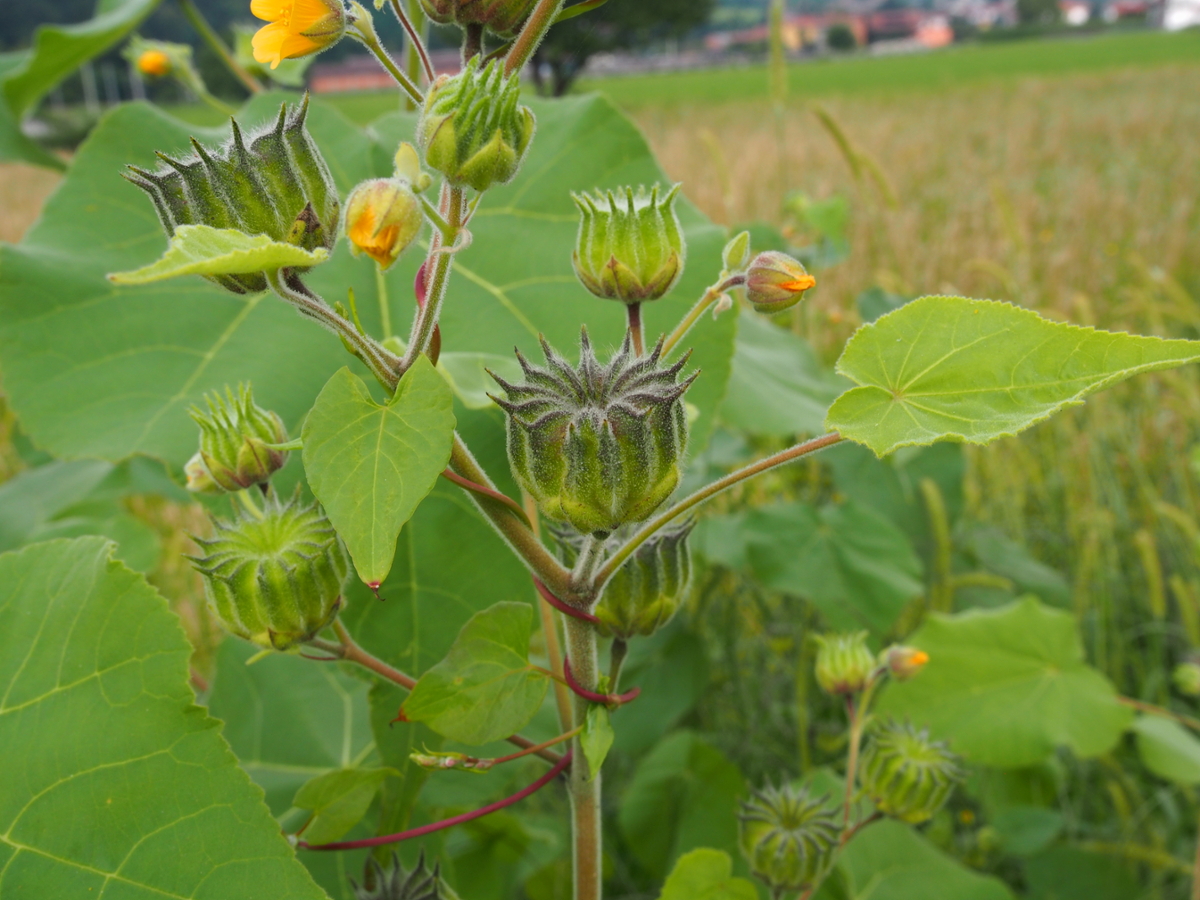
x=277, y=580
x=630, y=246
x=597, y=446
x=645, y=593
x=907, y=775
x=501, y=17
x=394, y=883
x=844, y=662
x=473, y=129
x=237, y=438
x=788, y=837
x=277, y=184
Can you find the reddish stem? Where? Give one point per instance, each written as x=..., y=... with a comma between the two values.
x=447, y=823
x=609, y=700
x=562, y=605
x=484, y=491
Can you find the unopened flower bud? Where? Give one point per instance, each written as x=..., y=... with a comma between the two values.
x=297, y=28
x=199, y=479
x=408, y=168
x=775, y=282
x=501, y=17
x=473, y=129
x=844, y=663
x=630, y=246
x=1187, y=678
x=788, y=838
x=275, y=184
x=237, y=438
x=736, y=255
x=383, y=218
x=597, y=446
x=907, y=775
x=276, y=580
x=397, y=883
x=154, y=63
x=904, y=662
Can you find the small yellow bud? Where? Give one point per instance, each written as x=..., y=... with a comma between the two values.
x=297, y=28
x=154, y=63
x=904, y=662
x=383, y=218
x=775, y=282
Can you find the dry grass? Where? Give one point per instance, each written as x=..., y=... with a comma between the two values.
x=23, y=190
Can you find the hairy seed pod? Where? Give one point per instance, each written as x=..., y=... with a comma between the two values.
x=473, y=129
x=630, y=246
x=275, y=183
x=907, y=775
x=597, y=446
x=788, y=837
x=844, y=662
x=276, y=580
x=501, y=17
x=236, y=438
x=644, y=594
x=775, y=282
x=395, y=883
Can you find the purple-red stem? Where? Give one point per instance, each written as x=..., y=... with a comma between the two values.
x=606, y=699
x=485, y=491
x=447, y=823
x=562, y=605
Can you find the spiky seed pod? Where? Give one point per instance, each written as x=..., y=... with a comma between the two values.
x=775, y=282
x=630, y=246
x=501, y=17
x=788, y=837
x=276, y=184
x=844, y=662
x=473, y=129
x=907, y=775
x=645, y=593
x=394, y=883
x=597, y=446
x=277, y=580
x=236, y=436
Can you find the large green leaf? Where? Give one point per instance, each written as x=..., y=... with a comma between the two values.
x=201, y=250
x=891, y=861
x=485, y=689
x=706, y=874
x=1008, y=686
x=115, y=782
x=948, y=368
x=93, y=369
x=372, y=464
x=1168, y=749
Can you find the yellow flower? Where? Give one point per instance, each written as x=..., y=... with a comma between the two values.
x=297, y=28
x=154, y=63
x=383, y=218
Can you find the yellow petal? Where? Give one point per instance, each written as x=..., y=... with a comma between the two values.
x=270, y=10
x=268, y=44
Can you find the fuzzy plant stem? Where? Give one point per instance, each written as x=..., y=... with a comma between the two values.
x=636, y=331
x=536, y=26
x=707, y=299
x=416, y=41
x=209, y=36
x=439, y=263
x=370, y=40
x=584, y=790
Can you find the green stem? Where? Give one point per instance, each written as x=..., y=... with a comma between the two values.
x=383, y=364
x=562, y=694
x=418, y=55
x=585, y=565
x=220, y=106
x=472, y=42
x=527, y=41
x=519, y=537
x=616, y=660
x=584, y=790
x=210, y=37
x=370, y=40
x=707, y=493
x=385, y=309
x=858, y=714
x=636, y=332
x=709, y=297
x=442, y=260
x=1152, y=709
x=435, y=218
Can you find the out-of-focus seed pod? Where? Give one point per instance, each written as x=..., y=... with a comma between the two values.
x=630, y=246
x=501, y=17
x=597, y=446
x=844, y=663
x=775, y=282
x=397, y=883
x=473, y=129
x=788, y=838
x=237, y=438
x=907, y=775
x=275, y=580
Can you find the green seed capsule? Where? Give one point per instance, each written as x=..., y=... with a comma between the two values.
x=236, y=438
x=397, y=883
x=788, y=837
x=844, y=663
x=276, y=580
x=597, y=446
x=907, y=775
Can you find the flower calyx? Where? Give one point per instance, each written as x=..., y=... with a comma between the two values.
x=238, y=443
x=845, y=664
x=473, y=129
x=788, y=837
x=274, y=580
x=630, y=245
x=296, y=28
x=597, y=446
x=906, y=774
x=273, y=182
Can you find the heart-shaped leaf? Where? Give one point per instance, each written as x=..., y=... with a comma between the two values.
x=371, y=465
x=338, y=800
x=202, y=250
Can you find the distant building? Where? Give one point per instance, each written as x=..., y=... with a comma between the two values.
x=1180, y=14
x=364, y=73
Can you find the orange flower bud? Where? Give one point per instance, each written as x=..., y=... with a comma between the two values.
x=154, y=63
x=904, y=662
x=776, y=282
x=383, y=218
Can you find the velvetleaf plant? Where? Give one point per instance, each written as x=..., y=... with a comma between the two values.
x=597, y=437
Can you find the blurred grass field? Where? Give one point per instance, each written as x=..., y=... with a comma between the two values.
x=1060, y=175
